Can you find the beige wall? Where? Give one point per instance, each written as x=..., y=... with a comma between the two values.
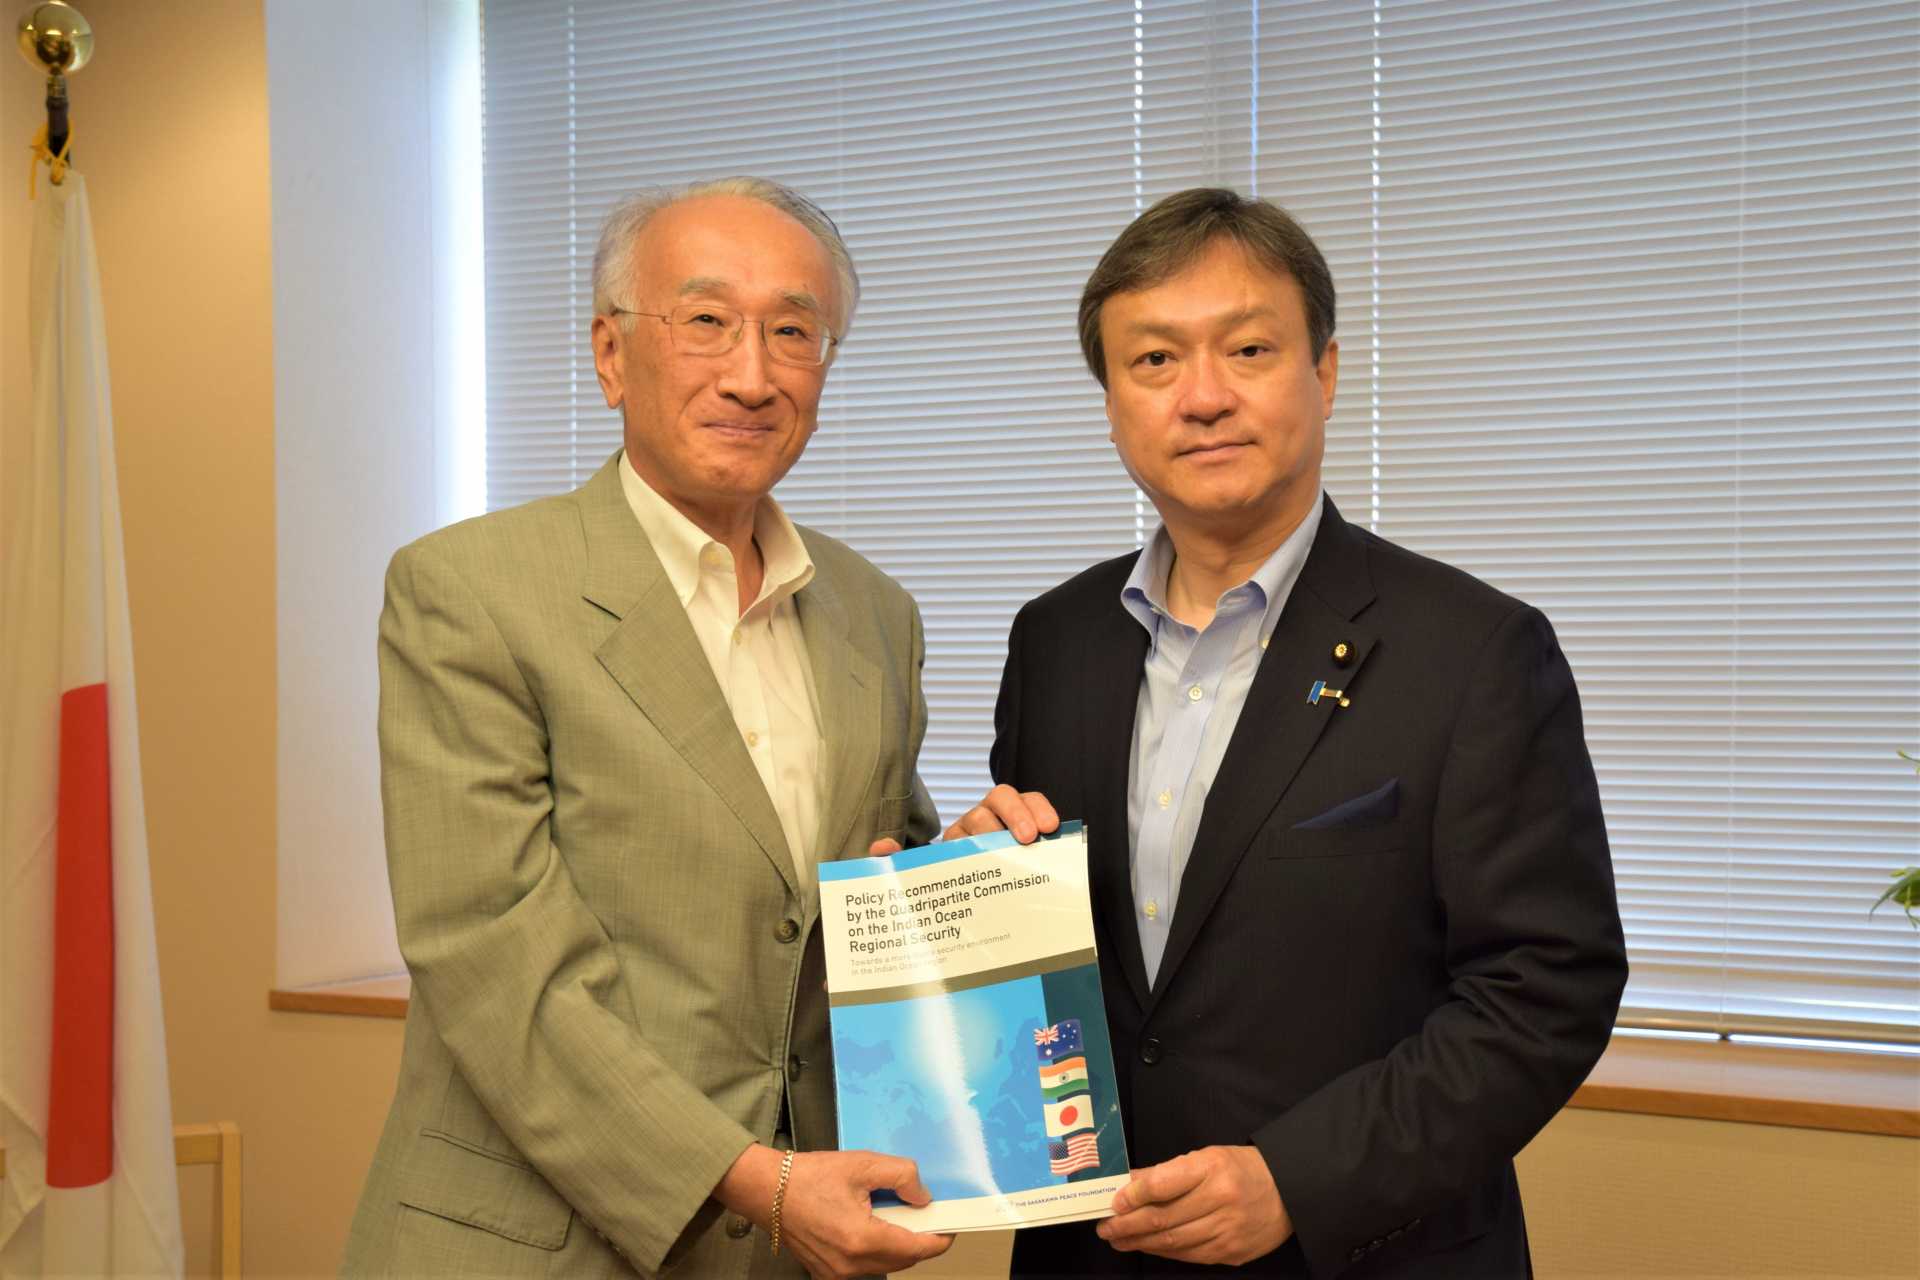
x=171, y=127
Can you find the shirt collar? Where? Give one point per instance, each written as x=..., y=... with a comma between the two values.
x=680, y=543
x=1145, y=594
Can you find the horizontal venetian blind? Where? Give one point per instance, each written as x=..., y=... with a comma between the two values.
x=1628, y=327
x=976, y=168
x=1647, y=278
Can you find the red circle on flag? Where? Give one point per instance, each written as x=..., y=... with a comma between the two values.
x=1069, y=1114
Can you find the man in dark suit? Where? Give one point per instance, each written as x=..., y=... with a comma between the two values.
x=1352, y=893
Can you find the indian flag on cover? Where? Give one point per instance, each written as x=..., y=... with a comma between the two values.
x=1060, y=1079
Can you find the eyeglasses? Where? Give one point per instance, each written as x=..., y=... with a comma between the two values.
x=700, y=329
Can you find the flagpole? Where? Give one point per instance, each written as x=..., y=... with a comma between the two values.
x=55, y=37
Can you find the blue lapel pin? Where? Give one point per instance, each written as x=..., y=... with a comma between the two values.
x=1320, y=690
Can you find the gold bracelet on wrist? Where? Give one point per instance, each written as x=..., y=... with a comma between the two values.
x=780, y=1198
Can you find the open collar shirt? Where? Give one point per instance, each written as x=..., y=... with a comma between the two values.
x=1192, y=690
x=758, y=655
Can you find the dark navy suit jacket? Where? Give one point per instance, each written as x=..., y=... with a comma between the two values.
x=1396, y=950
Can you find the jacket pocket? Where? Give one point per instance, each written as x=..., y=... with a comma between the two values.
x=456, y=1180
x=1376, y=808
x=1332, y=842
x=890, y=818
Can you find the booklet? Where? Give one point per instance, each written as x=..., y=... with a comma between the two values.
x=968, y=1029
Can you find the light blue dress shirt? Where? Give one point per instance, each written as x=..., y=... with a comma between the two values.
x=1191, y=693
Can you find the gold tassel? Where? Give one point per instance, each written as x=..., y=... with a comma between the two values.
x=56, y=164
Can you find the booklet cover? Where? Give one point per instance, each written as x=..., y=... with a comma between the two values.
x=968, y=1029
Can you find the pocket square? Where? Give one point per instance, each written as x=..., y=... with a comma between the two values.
x=1376, y=808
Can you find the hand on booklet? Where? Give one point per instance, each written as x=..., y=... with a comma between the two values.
x=833, y=1230
x=1027, y=814
x=826, y=1218
x=1217, y=1205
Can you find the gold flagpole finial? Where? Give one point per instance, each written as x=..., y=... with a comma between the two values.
x=57, y=39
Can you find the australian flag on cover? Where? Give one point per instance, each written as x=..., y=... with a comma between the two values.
x=1061, y=1040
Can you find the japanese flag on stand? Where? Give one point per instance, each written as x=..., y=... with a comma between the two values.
x=89, y=1187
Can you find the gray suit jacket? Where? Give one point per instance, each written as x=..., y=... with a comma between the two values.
x=616, y=973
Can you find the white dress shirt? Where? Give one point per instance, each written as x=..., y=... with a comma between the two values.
x=758, y=655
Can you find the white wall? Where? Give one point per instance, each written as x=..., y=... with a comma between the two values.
x=378, y=383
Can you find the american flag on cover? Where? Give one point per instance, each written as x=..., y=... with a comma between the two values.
x=1068, y=1156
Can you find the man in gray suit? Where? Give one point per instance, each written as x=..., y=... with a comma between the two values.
x=616, y=729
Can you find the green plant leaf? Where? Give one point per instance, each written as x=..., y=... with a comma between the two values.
x=1905, y=890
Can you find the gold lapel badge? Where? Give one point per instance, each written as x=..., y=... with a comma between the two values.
x=1320, y=690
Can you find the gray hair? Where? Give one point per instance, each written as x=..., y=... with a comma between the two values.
x=613, y=259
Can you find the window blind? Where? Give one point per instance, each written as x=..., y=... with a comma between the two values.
x=1628, y=328
x=977, y=170
x=1643, y=292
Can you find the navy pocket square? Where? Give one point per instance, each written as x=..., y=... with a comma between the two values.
x=1376, y=808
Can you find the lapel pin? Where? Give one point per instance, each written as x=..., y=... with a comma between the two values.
x=1342, y=654
x=1320, y=691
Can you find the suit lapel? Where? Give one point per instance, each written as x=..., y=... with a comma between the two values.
x=846, y=686
x=1113, y=658
x=1278, y=727
x=655, y=657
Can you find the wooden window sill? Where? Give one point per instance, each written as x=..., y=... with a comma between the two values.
x=367, y=998
x=1695, y=1079
x=1757, y=1084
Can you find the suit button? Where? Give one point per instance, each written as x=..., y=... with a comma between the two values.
x=738, y=1227
x=794, y=1064
x=787, y=930
x=1150, y=1051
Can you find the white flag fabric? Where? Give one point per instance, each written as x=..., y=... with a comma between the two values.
x=90, y=1188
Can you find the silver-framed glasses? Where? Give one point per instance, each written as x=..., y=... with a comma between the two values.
x=703, y=329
